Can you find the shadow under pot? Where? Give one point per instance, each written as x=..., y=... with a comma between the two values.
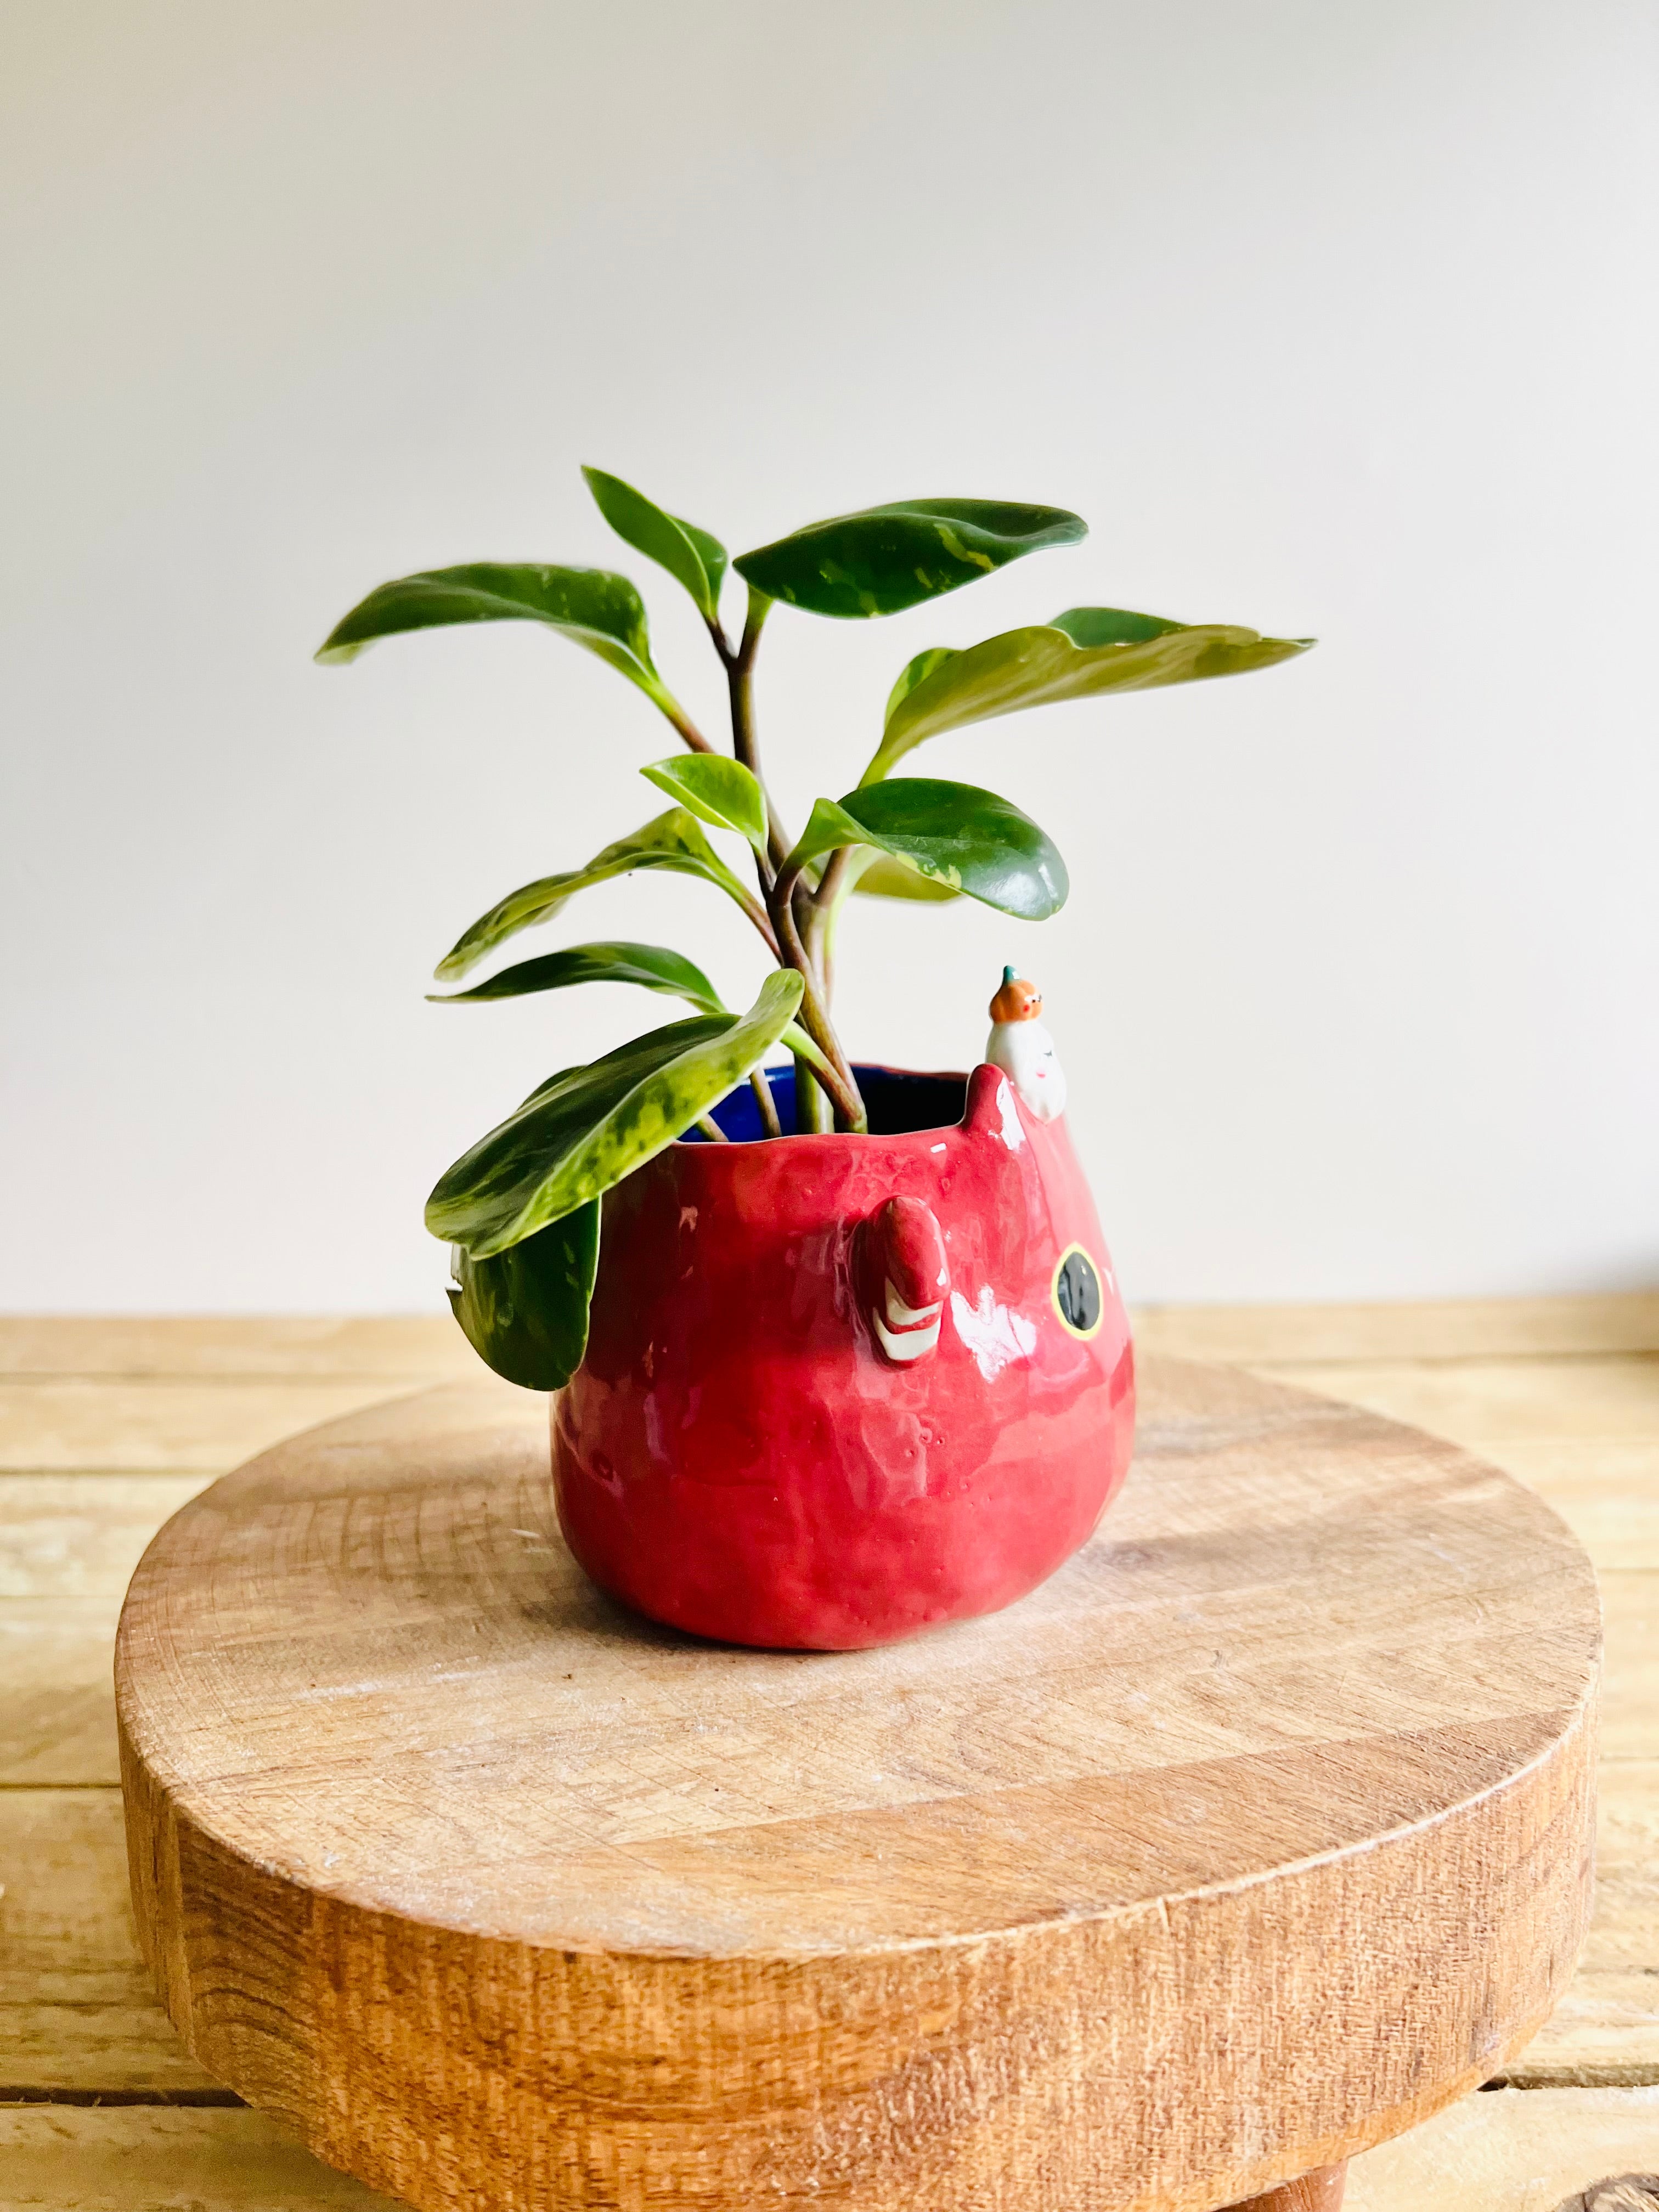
x=841, y=1389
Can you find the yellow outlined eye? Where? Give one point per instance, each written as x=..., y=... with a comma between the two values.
x=1076, y=1293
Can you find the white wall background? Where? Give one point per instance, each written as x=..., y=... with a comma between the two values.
x=1331, y=317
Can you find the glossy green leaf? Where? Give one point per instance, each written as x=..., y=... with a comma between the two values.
x=593, y=607
x=713, y=555
x=589, y=1128
x=717, y=789
x=673, y=841
x=914, y=672
x=881, y=877
x=654, y=966
x=1113, y=626
x=690, y=555
x=887, y=558
x=525, y=1310
x=1085, y=651
x=950, y=834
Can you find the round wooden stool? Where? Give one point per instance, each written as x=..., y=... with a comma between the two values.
x=1256, y=1835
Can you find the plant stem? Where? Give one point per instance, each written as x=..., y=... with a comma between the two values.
x=682, y=722
x=800, y=912
x=740, y=682
x=756, y=914
x=819, y=932
x=769, y=1112
x=796, y=1039
x=811, y=1104
x=712, y=1129
x=838, y=1080
x=787, y=949
x=834, y=876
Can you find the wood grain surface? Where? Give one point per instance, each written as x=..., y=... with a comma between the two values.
x=1544, y=2151
x=79, y=2020
x=1535, y=2150
x=1320, y=2192
x=67, y=2159
x=59, y=1424
x=1255, y=1836
x=77, y=2014
x=382, y=1349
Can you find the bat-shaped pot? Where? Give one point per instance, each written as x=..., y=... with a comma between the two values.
x=841, y=1389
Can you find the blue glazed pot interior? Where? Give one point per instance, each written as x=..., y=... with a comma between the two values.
x=897, y=1100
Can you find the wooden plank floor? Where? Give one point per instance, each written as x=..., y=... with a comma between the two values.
x=107, y=1426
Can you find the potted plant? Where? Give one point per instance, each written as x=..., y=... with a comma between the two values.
x=826, y=1387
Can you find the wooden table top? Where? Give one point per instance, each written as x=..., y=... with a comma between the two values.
x=1272, y=1810
x=105, y=1427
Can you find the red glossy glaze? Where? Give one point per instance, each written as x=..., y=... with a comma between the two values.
x=740, y=1456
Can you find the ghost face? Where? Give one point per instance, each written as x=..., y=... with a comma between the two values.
x=1024, y=1051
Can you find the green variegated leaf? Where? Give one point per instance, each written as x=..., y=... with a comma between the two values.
x=882, y=878
x=887, y=558
x=1083, y=652
x=690, y=555
x=525, y=1310
x=592, y=606
x=654, y=966
x=574, y=1138
x=1114, y=626
x=673, y=841
x=717, y=789
x=914, y=672
x=950, y=834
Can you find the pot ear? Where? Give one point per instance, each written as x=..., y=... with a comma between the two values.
x=902, y=1274
x=990, y=1105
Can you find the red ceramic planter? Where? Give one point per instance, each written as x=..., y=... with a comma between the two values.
x=839, y=1389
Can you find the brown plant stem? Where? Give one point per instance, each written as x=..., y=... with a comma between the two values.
x=800, y=906
x=820, y=916
x=763, y=1099
x=784, y=933
x=838, y=1080
x=757, y=914
x=741, y=684
x=683, y=723
x=834, y=876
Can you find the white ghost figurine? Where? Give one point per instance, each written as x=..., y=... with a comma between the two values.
x=1020, y=1046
